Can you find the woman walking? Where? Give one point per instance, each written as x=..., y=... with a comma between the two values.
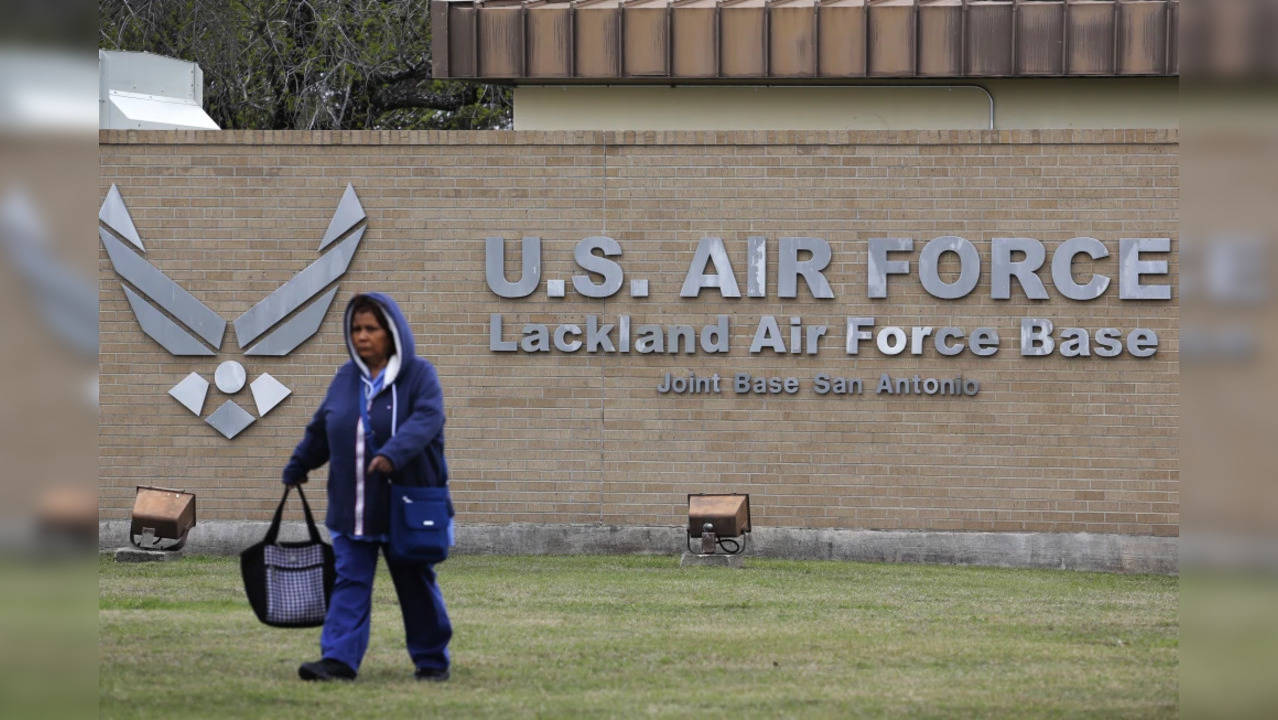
x=383, y=417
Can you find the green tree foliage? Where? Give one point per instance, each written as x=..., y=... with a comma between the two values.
x=308, y=64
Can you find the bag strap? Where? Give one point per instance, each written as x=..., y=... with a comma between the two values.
x=310, y=519
x=273, y=532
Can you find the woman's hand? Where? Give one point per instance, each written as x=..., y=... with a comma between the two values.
x=381, y=464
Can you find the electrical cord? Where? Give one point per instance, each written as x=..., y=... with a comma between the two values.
x=730, y=546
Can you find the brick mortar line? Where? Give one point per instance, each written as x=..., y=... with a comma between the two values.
x=1126, y=136
x=603, y=362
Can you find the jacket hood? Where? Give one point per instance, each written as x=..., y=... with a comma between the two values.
x=401, y=335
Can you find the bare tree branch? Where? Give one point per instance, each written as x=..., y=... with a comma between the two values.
x=325, y=64
x=410, y=94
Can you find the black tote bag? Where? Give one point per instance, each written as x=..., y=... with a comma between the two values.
x=289, y=584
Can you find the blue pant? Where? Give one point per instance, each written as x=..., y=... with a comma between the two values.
x=426, y=624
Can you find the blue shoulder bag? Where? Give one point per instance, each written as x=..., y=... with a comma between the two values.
x=421, y=518
x=420, y=523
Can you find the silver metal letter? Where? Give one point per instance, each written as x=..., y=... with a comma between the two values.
x=1131, y=267
x=878, y=267
x=495, y=343
x=495, y=267
x=1142, y=342
x=714, y=338
x=767, y=335
x=941, y=338
x=1003, y=267
x=1063, y=268
x=756, y=266
x=969, y=267
x=1036, y=337
x=561, y=341
x=855, y=334
x=1075, y=342
x=587, y=260
x=983, y=342
x=598, y=337
x=810, y=269
x=1107, y=342
x=710, y=249
x=891, y=340
x=917, y=335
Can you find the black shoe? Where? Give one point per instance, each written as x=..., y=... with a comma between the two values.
x=431, y=675
x=326, y=669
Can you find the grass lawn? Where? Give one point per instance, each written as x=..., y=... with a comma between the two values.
x=628, y=636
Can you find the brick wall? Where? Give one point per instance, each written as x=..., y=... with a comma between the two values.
x=1049, y=445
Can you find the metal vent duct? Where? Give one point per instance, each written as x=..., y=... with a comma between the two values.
x=142, y=91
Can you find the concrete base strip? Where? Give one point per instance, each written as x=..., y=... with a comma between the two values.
x=717, y=560
x=1063, y=551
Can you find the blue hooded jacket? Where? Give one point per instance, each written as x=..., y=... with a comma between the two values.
x=407, y=419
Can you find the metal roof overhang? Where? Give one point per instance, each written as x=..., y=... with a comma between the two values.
x=794, y=41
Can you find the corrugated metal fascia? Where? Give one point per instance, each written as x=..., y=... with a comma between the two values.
x=830, y=41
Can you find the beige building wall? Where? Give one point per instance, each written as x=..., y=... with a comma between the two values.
x=1048, y=445
x=1016, y=103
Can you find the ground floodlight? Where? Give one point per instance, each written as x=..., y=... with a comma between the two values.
x=718, y=520
x=160, y=515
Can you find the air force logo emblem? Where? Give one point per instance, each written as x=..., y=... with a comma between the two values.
x=275, y=326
